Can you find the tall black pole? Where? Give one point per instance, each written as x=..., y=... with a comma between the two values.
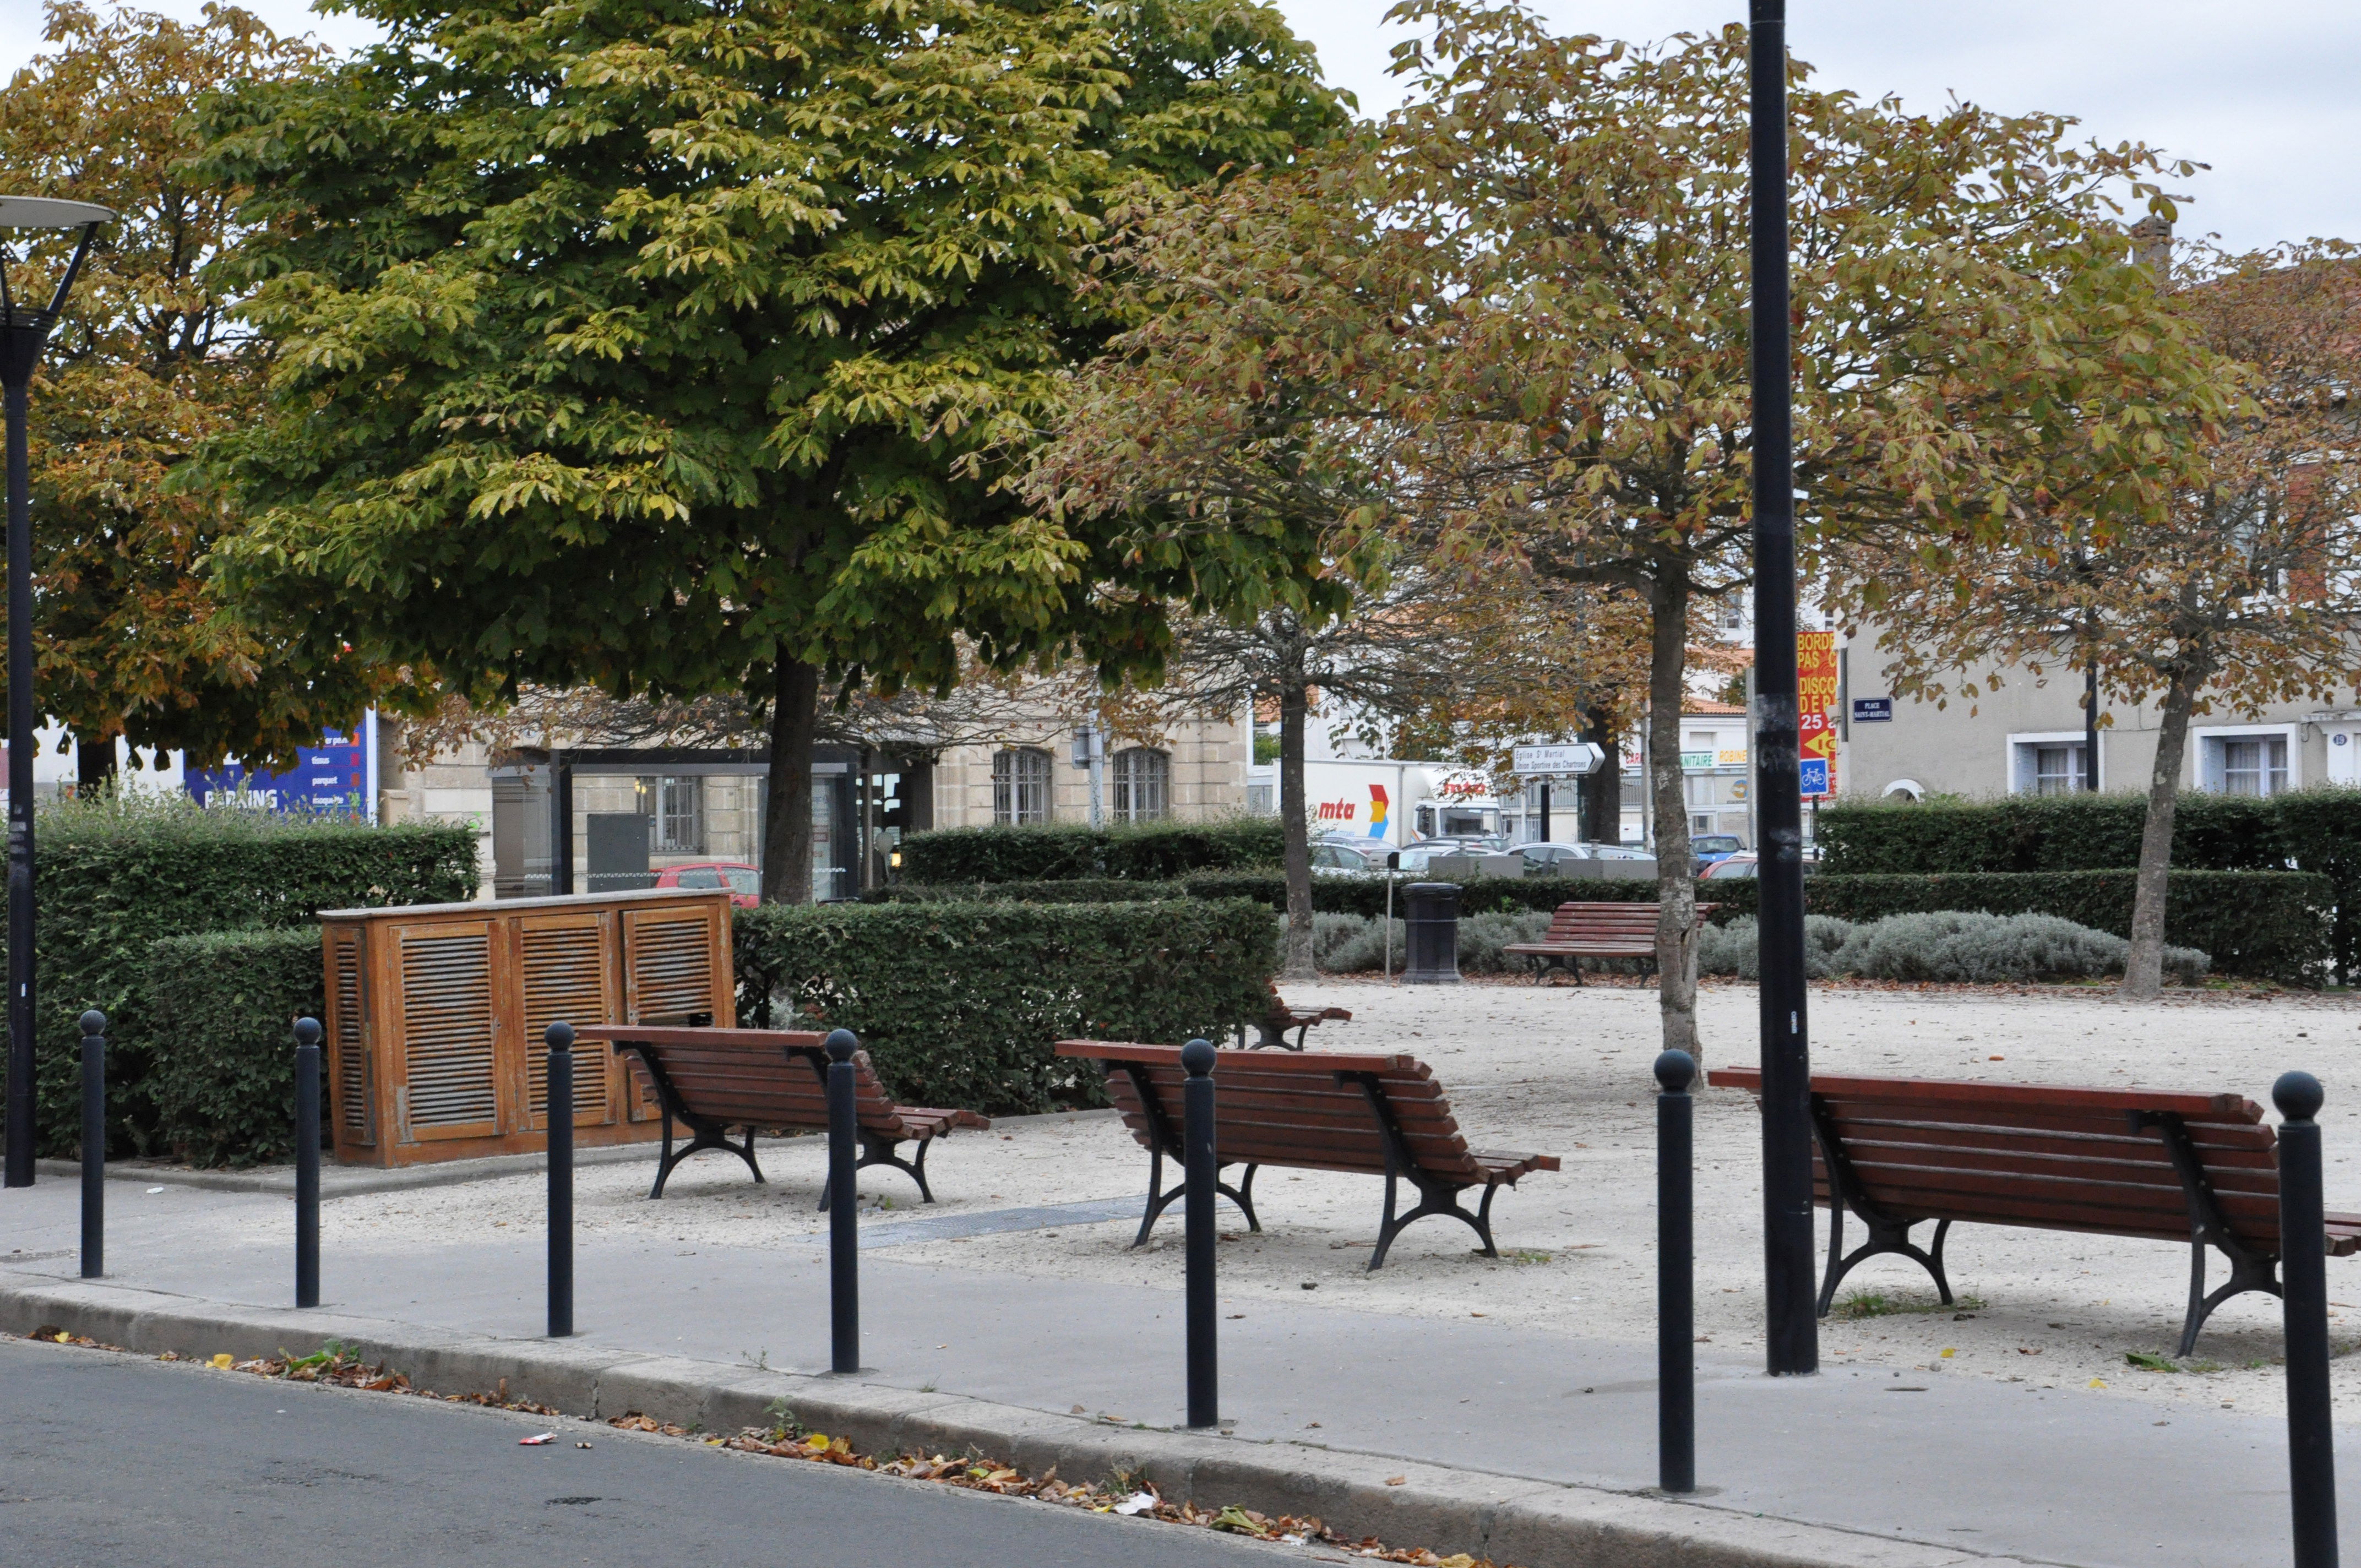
x=24, y=333
x=843, y=1216
x=1545, y=806
x=2312, y=1449
x=307, y=1162
x=94, y=1144
x=2091, y=724
x=560, y=1040
x=1204, y=1170
x=1792, y=1340
x=1675, y=1274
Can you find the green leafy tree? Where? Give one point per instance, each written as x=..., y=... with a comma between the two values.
x=679, y=349
x=132, y=638
x=1569, y=231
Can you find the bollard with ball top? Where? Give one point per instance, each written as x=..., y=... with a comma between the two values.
x=559, y=1038
x=843, y=1224
x=1675, y=1280
x=1197, y=1059
x=307, y=1162
x=94, y=1144
x=2303, y=1272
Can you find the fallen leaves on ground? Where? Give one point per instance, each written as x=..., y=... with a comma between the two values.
x=337, y=1364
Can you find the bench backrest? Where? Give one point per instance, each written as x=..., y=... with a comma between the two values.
x=2073, y=1159
x=1600, y=922
x=1307, y=1109
x=752, y=1078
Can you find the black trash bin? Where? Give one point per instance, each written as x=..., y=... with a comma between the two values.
x=1431, y=938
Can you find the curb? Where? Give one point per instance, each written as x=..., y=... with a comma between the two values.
x=1508, y=1519
x=345, y=1181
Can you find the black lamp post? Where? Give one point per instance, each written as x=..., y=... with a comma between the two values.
x=1793, y=1338
x=24, y=334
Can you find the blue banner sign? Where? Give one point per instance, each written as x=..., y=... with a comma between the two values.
x=331, y=778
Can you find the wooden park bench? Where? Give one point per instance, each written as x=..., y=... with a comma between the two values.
x=1379, y=1114
x=2122, y=1162
x=1580, y=931
x=1270, y=1029
x=771, y=1080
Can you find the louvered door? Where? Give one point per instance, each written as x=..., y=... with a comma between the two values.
x=565, y=963
x=450, y=1085
x=352, y=1082
x=676, y=969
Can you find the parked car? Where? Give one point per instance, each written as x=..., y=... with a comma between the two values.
x=1548, y=858
x=1743, y=864
x=744, y=881
x=1465, y=844
x=1333, y=858
x=1711, y=848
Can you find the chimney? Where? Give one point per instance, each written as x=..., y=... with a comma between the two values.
x=2152, y=247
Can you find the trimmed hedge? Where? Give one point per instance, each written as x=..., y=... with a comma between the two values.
x=1080, y=890
x=117, y=876
x=962, y=1003
x=2270, y=925
x=1149, y=851
x=2309, y=830
x=222, y=1057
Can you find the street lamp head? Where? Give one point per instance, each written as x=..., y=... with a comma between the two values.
x=23, y=328
x=49, y=212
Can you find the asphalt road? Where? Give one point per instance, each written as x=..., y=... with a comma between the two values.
x=109, y=1459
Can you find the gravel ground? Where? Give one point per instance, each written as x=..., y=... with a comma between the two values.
x=1566, y=1071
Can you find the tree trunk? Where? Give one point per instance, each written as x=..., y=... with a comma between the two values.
x=1676, y=878
x=1601, y=818
x=787, y=827
x=93, y=766
x=2144, y=965
x=1295, y=822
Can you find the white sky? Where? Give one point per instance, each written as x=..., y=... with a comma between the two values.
x=2262, y=90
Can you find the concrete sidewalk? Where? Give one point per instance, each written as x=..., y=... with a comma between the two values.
x=1854, y=1466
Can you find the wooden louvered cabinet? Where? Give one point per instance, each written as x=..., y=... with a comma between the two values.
x=436, y=1013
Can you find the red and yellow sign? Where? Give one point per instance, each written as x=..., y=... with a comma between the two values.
x=1816, y=705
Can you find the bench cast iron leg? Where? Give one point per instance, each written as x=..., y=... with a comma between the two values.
x=1884, y=1237
x=880, y=1151
x=1434, y=1199
x=2246, y=1273
x=706, y=1138
x=1159, y=1200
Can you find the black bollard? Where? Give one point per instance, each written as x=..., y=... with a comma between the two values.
x=560, y=1038
x=307, y=1162
x=1202, y=1171
x=94, y=1144
x=843, y=1226
x=1675, y=1279
x=2303, y=1272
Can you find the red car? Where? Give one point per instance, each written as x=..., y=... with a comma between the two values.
x=744, y=881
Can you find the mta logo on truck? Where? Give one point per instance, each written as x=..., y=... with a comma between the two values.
x=1346, y=811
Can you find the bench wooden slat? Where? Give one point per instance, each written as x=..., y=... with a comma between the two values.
x=1915, y=1093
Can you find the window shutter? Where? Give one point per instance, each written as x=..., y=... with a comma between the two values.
x=563, y=960
x=446, y=1029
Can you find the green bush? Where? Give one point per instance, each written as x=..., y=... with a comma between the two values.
x=960, y=1004
x=1149, y=851
x=1949, y=945
x=221, y=1056
x=117, y=876
x=2270, y=925
x=2310, y=831
x=1080, y=890
x=1367, y=896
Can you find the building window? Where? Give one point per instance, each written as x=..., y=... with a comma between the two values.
x=1142, y=784
x=2057, y=770
x=2046, y=764
x=1020, y=786
x=2246, y=764
x=678, y=807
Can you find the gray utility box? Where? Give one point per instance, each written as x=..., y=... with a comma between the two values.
x=1466, y=868
x=1610, y=870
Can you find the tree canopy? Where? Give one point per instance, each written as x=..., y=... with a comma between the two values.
x=677, y=348
x=132, y=638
